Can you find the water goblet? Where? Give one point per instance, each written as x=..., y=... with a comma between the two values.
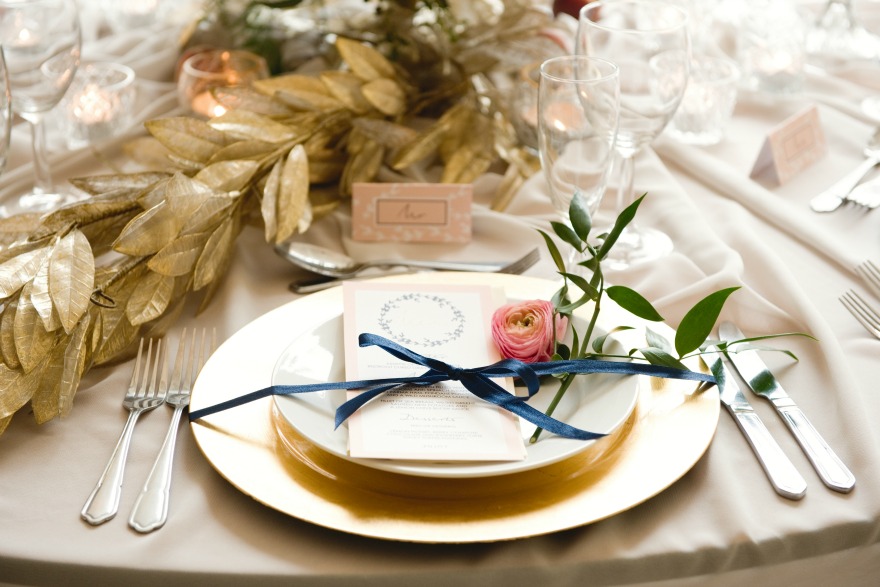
x=578, y=110
x=649, y=43
x=41, y=43
x=5, y=114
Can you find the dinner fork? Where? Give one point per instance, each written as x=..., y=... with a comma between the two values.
x=140, y=397
x=515, y=267
x=151, y=507
x=865, y=314
x=870, y=274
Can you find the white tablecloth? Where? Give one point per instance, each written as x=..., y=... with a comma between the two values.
x=721, y=524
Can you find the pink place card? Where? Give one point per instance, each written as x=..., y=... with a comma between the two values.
x=791, y=147
x=411, y=212
x=439, y=422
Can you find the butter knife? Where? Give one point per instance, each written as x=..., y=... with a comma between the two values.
x=786, y=480
x=828, y=465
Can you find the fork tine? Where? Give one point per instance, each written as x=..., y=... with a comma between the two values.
x=870, y=274
x=135, y=374
x=520, y=265
x=148, y=365
x=156, y=368
x=862, y=312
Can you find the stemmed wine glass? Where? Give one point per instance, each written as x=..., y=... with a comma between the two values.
x=650, y=44
x=41, y=42
x=5, y=113
x=578, y=110
x=838, y=35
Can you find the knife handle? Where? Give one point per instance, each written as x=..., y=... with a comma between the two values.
x=783, y=476
x=828, y=465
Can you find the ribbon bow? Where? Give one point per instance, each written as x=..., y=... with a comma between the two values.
x=477, y=380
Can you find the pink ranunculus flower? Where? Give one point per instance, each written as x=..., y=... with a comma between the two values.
x=524, y=330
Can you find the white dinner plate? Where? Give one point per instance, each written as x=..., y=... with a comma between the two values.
x=597, y=402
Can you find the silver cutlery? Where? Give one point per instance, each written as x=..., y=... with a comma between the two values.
x=870, y=274
x=143, y=394
x=862, y=311
x=866, y=194
x=785, y=479
x=761, y=381
x=839, y=192
x=515, y=267
x=151, y=507
x=340, y=266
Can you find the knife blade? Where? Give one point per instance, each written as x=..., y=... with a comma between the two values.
x=786, y=480
x=761, y=381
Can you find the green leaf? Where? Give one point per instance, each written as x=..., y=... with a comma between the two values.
x=584, y=285
x=660, y=357
x=657, y=341
x=697, y=324
x=565, y=232
x=633, y=302
x=569, y=308
x=554, y=251
x=623, y=219
x=580, y=219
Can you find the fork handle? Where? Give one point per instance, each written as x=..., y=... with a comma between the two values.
x=103, y=503
x=151, y=507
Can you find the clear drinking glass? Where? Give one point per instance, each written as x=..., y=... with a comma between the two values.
x=41, y=43
x=837, y=36
x=650, y=44
x=578, y=111
x=5, y=113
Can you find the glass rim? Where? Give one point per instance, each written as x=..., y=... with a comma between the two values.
x=125, y=70
x=611, y=69
x=617, y=4
x=251, y=62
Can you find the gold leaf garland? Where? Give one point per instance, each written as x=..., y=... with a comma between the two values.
x=80, y=285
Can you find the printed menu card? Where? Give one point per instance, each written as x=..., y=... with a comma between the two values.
x=438, y=422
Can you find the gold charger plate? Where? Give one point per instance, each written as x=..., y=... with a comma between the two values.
x=259, y=454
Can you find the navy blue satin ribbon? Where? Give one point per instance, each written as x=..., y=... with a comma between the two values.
x=477, y=380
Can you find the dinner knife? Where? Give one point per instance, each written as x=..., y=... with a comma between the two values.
x=760, y=380
x=786, y=480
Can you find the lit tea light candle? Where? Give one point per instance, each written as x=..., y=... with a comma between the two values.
x=93, y=105
x=99, y=103
x=205, y=71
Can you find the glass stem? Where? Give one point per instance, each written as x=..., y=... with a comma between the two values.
x=625, y=178
x=42, y=175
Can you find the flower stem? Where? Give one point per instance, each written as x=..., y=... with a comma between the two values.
x=566, y=383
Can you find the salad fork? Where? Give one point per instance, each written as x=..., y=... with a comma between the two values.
x=870, y=274
x=151, y=507
x=865, y=314
x=141, y=397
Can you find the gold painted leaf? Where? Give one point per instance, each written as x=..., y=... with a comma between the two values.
x=248, y=125
x=385, y=96
x=325, y=166
x=32, y=341
x=116, y=203
x=16, y=389
x=465, y=166
x=424, y=146
x=101, y=184
x=309, y=101
x=291, y=82
x=249, y=149
x=324, y=200
x=42, y=300
x=213, y=258
x=4, y=423
x=149, y=231
x=71, y=278
x=269, y=205
x=150, y=299
x=148, y=152
x=366, y=63
x=179, y=256
x=228, y=176
x=346, y=87
x=293, y=193
x=246, y=98
x=510, y=184
x=75, y=358
x=386, y=133
x=189, y=138
x=47, y=398
x=7, y=336
x=208, y=215
x=185, y=194
x=19, y=270
x=363, y=166
x=117, y=334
